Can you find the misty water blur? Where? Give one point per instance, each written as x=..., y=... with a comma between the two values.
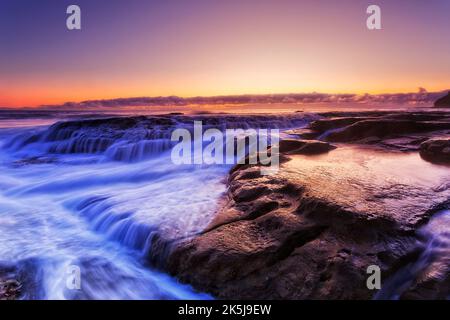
x=99, y=214
x=81, y=196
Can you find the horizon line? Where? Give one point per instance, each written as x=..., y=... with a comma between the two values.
x=187, y=100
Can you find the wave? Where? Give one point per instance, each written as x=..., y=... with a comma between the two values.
x=96, y=193
x=134, y=139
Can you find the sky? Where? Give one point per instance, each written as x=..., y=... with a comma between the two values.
x=137, y=48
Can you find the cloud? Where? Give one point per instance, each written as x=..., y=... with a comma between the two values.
x=422, y=97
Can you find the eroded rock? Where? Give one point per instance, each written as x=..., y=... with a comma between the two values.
x=311, y=231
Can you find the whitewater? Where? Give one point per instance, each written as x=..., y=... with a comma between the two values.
x=93, y=194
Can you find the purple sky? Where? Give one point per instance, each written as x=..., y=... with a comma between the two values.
x=203, y=47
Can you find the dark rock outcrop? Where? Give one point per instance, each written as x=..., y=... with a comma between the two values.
x=402, y=131
x=21, y=280
x=9, y=289
x=306, y=147
x=443, y=102
x=382, y=128
x=334, y=122
x=436, y=150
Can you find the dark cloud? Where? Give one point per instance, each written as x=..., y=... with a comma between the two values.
x=422, y=97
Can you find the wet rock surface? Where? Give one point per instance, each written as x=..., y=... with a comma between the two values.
x=20, y=280
x=311, y=147
x=311, y=230
x=402, y=130
x=352, y=195
x=436, y=150
x=9, y=289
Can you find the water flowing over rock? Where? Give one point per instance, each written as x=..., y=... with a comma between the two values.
x=132, y=139
x=111, y=197
x=96, y=194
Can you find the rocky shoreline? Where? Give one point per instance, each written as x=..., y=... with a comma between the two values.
x=352, y=191
x=311, y=231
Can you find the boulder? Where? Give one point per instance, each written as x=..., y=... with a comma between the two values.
x=436, y=150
